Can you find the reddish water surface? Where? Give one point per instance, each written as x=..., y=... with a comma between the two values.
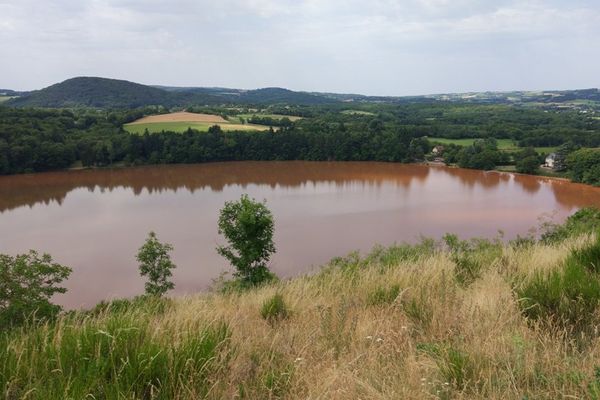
x=95, y=221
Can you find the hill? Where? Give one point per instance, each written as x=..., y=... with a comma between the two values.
x=262, y=96
x=464, y=320
x=102, y=93
x=113, y=93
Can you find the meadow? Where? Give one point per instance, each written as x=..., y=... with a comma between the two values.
x=454, y=320
x=503, y=144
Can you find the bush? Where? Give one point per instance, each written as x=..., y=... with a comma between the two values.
x=27, y=283
x=274, y=309
x=568, y=297
x=583, y=221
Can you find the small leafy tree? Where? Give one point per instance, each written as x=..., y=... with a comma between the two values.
x=248, y=227
x=155, y=263
x=27, y=283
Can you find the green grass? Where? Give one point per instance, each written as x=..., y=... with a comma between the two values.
x=503, y=144
x=183, y=126
x=4, y=98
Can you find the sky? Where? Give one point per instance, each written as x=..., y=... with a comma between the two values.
x=374, y=47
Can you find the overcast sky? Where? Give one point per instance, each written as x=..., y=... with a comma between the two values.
x=377, y=47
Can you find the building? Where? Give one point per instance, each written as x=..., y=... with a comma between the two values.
x=550, y=161
x=437, y=150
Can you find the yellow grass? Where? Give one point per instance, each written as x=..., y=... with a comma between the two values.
x=337, y=344
x=180, y=117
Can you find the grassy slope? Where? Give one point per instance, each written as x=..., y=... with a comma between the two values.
x=183, y=126
x=400, y=324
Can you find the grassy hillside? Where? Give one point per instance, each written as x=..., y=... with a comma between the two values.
x=468, y=320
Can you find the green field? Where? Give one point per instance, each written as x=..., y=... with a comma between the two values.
x=4, y=98
x=183, y=126
x=503, y=144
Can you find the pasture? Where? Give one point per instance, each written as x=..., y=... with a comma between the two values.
x=503, y=144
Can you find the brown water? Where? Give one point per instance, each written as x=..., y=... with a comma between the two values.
x=95, y=221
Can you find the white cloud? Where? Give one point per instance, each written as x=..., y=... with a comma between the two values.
x=383, y=46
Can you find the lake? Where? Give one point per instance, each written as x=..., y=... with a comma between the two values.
x=95, y=220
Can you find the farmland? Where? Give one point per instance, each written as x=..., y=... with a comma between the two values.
x=182, y=121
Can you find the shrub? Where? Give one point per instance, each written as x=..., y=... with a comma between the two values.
x=567, y=297
x=274, y=309
x=155, y=263
x=583, y=221
x=470, y=256
x=27, y=283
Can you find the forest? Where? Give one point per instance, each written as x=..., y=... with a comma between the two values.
x=35, y=139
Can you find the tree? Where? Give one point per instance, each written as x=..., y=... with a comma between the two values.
x=248, y=227
x=528, y=165
x=527, y=161
x=27, y=283
x=155, y=263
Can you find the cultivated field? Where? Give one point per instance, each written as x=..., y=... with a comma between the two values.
x=180, y=117
x=182, y=121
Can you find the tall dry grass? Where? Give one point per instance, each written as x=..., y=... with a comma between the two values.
x=401, y=324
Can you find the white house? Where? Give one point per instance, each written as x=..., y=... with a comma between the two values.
x=437, y=150
x=550, y=159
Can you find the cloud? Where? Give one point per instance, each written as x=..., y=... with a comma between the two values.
x=379, y=47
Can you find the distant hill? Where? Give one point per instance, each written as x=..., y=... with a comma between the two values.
x=113, y=93
x=8, y=92
x=99, y=92
x=258, y=96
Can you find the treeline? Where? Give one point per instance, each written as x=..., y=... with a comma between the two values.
x=33, y=140
x=42, y=140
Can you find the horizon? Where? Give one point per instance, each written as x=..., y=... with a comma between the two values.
x=162, y=86
x=393, y=48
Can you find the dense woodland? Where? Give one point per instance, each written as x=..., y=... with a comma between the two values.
x=33, y=139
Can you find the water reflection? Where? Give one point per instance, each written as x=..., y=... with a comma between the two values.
x=95, y=221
